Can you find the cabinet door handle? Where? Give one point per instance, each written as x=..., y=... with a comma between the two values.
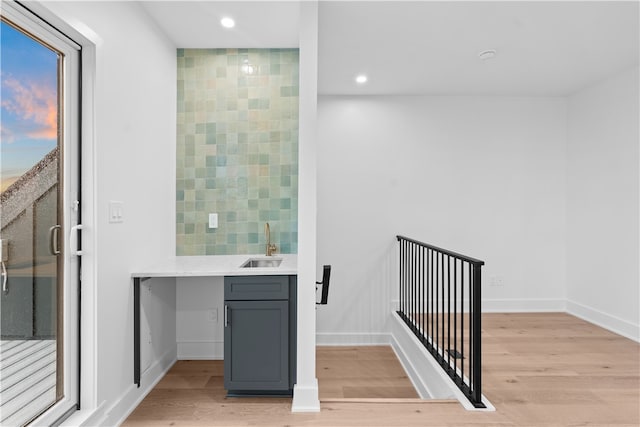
x=226, y=315
x=5, y=277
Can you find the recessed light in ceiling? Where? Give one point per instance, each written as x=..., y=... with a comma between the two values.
x=227, y=22
x=361, y=79
x=487, y=54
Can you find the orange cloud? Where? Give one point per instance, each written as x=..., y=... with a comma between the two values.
x=33, y=102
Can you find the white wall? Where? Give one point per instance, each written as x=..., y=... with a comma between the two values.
x=134, y=155
x=199, y=334
x=602, y=203
x=482, y=176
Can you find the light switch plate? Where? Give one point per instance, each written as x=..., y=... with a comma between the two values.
x=213, y=220
x=116, y=211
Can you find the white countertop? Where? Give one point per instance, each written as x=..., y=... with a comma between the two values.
x=217, y=265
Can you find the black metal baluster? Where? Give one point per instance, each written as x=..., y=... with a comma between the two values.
x=400, y=262
x=418, y=287
x=437, y=337
x=411, y=290
x=462, y=323
x=477, y=342
x=429, y=293
x=400, y=267
x=442, y=346
x=414, y=286
x=449, y=310
x=421, y=301
x=406, y=279
x=471, y=367
x=415, y=303
x=422, y=296
x=401, y=273
x=434, y=298
x=455, y=315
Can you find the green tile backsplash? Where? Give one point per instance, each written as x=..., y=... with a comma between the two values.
x=237, y=150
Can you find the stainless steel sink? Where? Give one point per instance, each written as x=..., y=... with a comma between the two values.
x=261, y=262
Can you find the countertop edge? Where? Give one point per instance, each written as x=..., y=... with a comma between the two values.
x=216, y=266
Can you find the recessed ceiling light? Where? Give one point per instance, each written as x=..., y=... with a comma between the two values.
x=227, y=22
x=361, y=79
x=487, y=54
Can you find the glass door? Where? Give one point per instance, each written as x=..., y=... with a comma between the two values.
x=37, y=298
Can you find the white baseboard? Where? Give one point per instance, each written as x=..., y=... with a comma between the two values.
x=123, y=407
x=352, y=338
x=305, y=397
x=200, y=350
x=513, y=305
x=607, y=321
x=416, y=363
x=85, y=417
x=427, y=376
x=523, y=305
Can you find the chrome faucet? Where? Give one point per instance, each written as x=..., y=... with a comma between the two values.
x=271, y=248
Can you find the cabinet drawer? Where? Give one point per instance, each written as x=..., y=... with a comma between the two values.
x=242, y=288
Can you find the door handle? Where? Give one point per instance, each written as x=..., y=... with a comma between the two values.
x=54, y=232
x=73, y=240
x=4, y=257
x=5, y=277
x=226, y=315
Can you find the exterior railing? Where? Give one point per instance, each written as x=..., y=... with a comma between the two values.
x=440, y=301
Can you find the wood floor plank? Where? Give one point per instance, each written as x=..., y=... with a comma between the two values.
x=539, y=369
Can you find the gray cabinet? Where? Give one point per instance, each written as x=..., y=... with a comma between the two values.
x=259, y=334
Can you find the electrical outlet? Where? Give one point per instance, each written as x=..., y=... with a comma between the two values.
x=212, y=315
x=213, y=220
x=496, y=281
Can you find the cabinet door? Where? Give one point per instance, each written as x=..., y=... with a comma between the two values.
x=256, y=346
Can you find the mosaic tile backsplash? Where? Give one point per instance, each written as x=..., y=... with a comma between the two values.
x=237, y=150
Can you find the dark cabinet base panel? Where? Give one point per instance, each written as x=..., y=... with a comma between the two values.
x=260, y=393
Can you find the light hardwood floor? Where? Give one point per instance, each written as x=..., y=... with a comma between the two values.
x=547, y=369
x=350, y=373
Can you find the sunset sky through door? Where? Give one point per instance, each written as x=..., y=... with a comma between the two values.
x=28, y=94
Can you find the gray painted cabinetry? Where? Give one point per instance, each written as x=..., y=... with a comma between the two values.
x=259, y=334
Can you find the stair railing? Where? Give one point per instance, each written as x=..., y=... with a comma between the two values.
x=440, y=301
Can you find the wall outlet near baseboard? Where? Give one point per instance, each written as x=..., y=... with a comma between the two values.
x=496, y=281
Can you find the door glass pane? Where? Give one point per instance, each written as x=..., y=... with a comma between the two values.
x=30, y=357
